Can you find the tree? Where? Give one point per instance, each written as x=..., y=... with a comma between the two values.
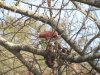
x=76, y=24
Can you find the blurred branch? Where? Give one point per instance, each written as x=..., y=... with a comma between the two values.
x=79, y=59
x=95, y=3
x=12, y=69
x=30, y=67
x=43, y=19
x=90, y=41
x=17, y=2
x=15, y=49
x=90, y=15
x=45, y=7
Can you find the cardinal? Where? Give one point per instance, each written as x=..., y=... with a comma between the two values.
x=48, y=35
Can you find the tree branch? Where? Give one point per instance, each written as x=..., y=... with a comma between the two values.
x=90, y=15
x=43, y=19
x=90, y=41
x=51, y=22
x=95, y=3
x=15, y=49
x=79, y=59
x=30, y=67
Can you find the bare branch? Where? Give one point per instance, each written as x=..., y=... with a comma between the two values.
x=44, y=19
x=90, y=15
x=79, y=59
x=95, y=3
x=90, y=41
x=15, y=49
x=30, y=67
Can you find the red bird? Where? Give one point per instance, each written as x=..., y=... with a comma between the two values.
x=47, y=35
